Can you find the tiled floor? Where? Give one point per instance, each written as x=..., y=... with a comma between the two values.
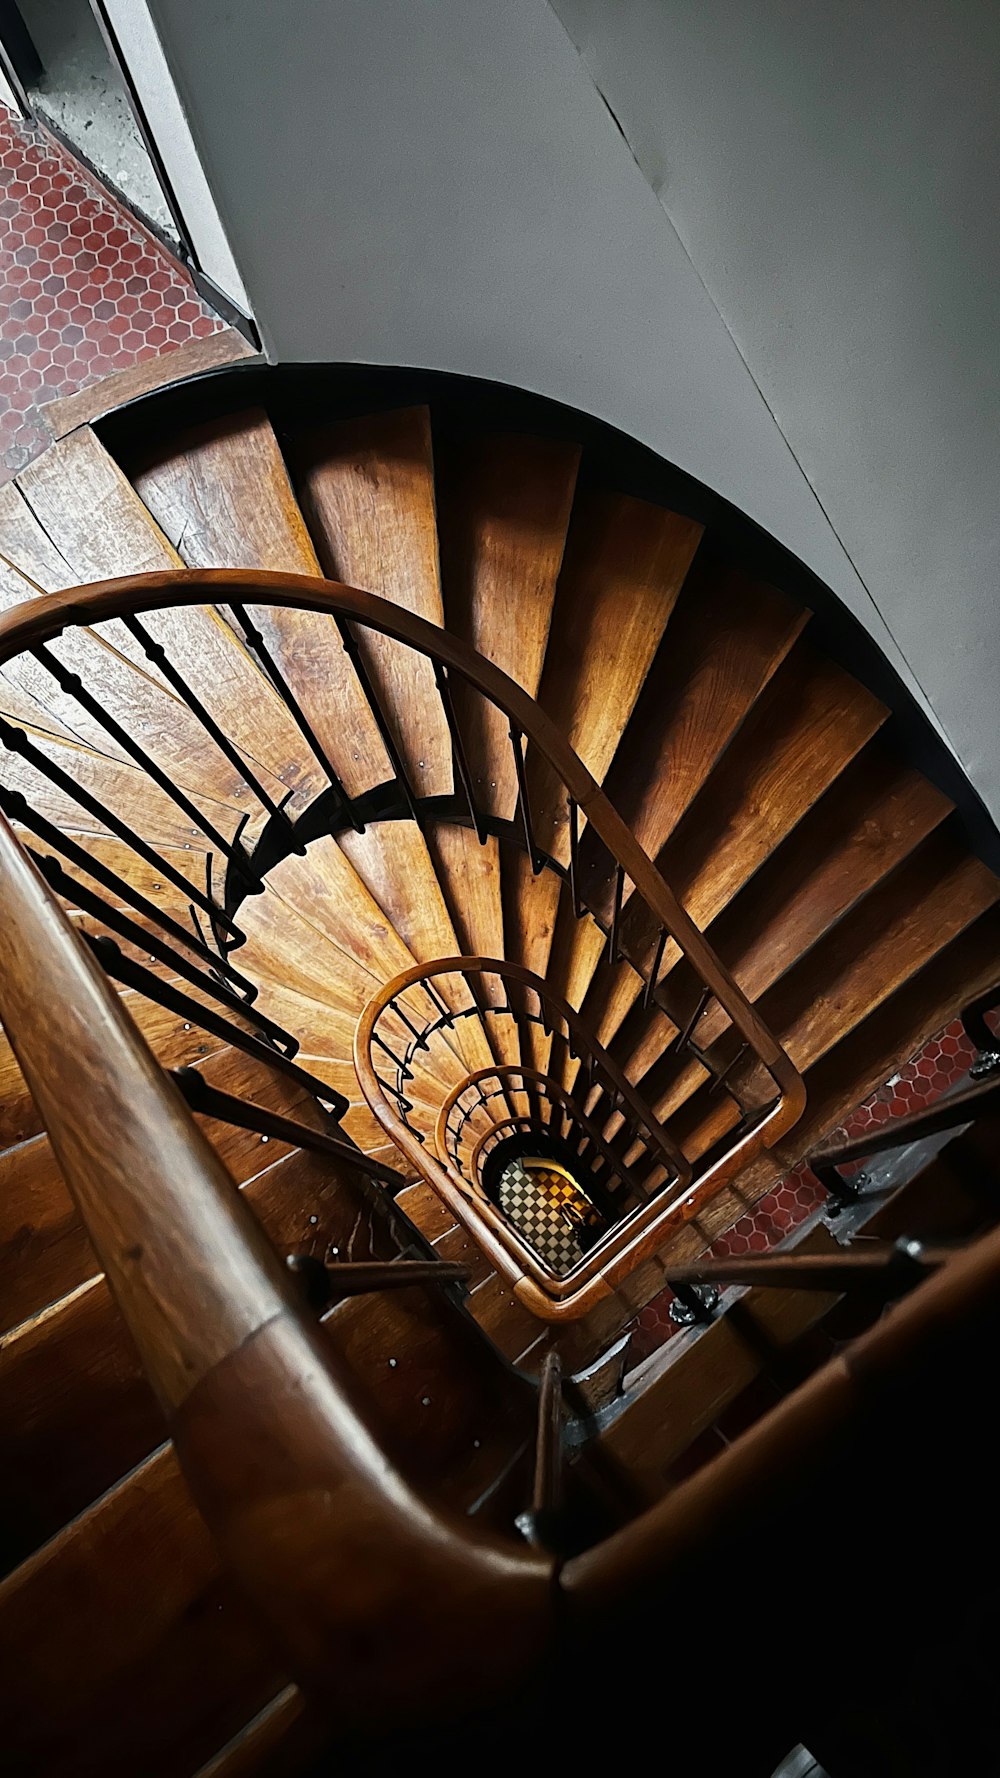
x=84, y=291
x=942, y=1062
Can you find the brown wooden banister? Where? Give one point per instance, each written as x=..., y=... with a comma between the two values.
x=33, y=624
x=386, y=1611
x=358, y=1576
x=634, y=1238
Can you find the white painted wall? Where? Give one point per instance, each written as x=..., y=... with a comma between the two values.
x=773, y=282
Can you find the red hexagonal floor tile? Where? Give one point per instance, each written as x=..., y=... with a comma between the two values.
x=70, y=258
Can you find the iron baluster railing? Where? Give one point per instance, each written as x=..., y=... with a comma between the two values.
x=89, y=902
x=254, y=640
x=352, y=649
x=443, y=682
x=17, y=808
x=654, y=973
x=243, y=1114
x=156, y=653
x=614, y=952
x=16, y=741
x=517, y=744
x=134, y=975
x=574, y=859
x=72, y=684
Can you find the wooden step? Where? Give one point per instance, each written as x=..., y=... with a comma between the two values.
x=869, y=820
x=101, y=529
x=75, y=1409
x=134, y=695
x=159, y=1661
x=810, y=721
x=624, y=568
x=857, y=1066
x=728, y=635
x=504, y=507
x=894, y=931
x=367, y=486
x=44, y=1253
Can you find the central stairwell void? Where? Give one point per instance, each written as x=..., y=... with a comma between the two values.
x=484, y=819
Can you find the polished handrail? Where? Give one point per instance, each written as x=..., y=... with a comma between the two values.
x=636, y=1237
x=338, y=1552
x=376, y=1599
x=31, y=625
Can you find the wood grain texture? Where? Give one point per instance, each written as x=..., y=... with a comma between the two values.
x=856, y=1066
x=367, y=486
x=504, y=504
x=129, y=1606
x=624, y=568
x=189, y=360
x=469, y=876
x=76, y=1411
x=869, y=820
x=101, y=528
x=727, y=636
x=810, y=721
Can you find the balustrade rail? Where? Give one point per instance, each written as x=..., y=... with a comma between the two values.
x=379, y=1601
x=641, y=918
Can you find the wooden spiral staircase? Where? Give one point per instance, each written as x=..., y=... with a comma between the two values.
x=322, y=732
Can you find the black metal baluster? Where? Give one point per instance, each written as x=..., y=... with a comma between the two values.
x=650, y=988
x=353, y=651
x=721, y=1078
x=684, y=1036
x=158, y=655
x=419, y=1037
x=517, y=743
x=400, y=1066
x=574, y=859
x=447, y=1017
x=269, y=666
x=17, y=808
x=90, y=903
x=443, y=681
x=614, y=954
x=16, y=741
x=134, y=975
x=72, y=684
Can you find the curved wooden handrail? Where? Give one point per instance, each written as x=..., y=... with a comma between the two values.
x=380, y=1605
x=550, y=1297
x=39, y=620
x=551, y=1089
x=357, y=1575
x=634, y=1239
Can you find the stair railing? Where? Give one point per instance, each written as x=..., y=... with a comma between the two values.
x=398, y=1002
x=382, y=1606
x=644, y=923
x=463, y=1145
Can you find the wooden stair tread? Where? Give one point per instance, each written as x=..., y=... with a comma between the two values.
x=102, y=529
x=75, y=1409
x=129, y=1607
x=132, y=693
x=870, y=819
x=504, y=507
x=810, y=721
x=726, y=637
x=624, y=567
x=367, y=486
